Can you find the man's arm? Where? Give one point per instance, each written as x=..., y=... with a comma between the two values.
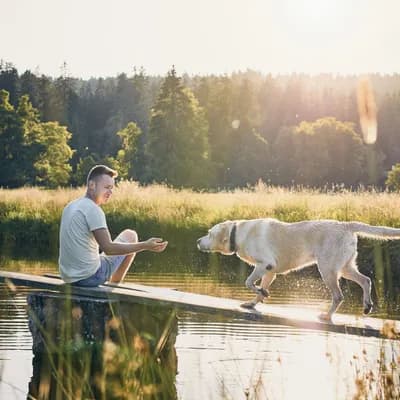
x=111, y=248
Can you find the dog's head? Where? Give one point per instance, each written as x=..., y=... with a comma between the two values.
x=218, y=239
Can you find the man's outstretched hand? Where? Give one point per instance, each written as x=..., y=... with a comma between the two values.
x=156, y=244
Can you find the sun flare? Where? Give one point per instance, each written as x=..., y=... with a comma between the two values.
x=314, y=15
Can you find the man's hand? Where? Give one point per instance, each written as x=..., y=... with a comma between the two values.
x=156, y=244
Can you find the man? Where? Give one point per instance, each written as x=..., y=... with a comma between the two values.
x=84, y=231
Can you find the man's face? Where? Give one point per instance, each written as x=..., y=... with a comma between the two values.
x=103, y=189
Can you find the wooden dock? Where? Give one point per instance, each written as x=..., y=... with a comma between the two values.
x=269, y=313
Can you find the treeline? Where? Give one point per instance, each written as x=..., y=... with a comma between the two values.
x=200, y=132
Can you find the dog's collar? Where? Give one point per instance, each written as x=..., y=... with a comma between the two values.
x=232, y=239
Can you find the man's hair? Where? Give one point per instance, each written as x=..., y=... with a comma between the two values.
x=99, y=170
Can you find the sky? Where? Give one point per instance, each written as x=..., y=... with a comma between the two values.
x=107, y=37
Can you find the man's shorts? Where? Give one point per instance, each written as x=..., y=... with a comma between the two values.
x=108, y=265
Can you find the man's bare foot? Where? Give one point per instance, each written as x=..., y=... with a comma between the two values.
x=325, y=317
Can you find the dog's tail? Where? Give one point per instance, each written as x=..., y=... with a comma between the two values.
x=375, y=232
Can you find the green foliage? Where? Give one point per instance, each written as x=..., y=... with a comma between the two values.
x=32, y=152
x=248, y=151
x=128, y=156
x=216, y=97
x=320, y=153
x=177, y=145
x=9, y=81
x=14, y=154
x=389, y=129
x=202, y=131
x=51, y=164
x=393, y=179
x=86, y=163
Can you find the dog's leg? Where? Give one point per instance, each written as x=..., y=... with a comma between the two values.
x=351, y=272
x=331, y=280
x=267, y=278
x=266, y=282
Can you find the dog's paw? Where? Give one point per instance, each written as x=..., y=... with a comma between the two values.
x=367, y=308
x=325, y=317
x=249, y=305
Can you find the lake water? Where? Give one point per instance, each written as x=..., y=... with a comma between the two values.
x=204, y=356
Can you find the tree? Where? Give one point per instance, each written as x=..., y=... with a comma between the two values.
x=86, y=163
x=389, y=129
x=29, y=85
x=250, y=157
x=9, y=81
x=269, y=98
x=12, y=146
x=322, y=152
x=393, y=179
x=248, y=151
x=284, y=165
x=101, y=121
x=128, y=156
x=29, y=117
x=46, y=148
x=31, y=152
x=177, y=146
x=219, y=109
x=51, y=164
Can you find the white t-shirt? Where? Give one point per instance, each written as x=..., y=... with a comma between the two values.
x=79, y=250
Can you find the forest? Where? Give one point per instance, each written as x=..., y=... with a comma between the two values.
x=202, y=132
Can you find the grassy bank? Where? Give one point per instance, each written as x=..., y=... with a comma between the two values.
x=30, y=216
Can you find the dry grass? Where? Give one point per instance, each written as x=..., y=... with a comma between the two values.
x=186, y=207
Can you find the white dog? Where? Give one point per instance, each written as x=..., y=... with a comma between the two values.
x=276, y=247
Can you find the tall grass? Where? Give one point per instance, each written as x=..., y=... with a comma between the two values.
x=188, y=208
x=30, y=216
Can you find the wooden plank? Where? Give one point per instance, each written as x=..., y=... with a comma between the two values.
x=270, y=313
x=130, y=285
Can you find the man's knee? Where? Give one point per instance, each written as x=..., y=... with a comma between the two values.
x=129, y=236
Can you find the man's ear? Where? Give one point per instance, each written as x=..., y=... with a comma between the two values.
x=91, y=184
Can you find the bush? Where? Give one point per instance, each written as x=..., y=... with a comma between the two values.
x=393, y=179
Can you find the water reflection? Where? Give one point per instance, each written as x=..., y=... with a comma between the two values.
x=85, y=348
x=239, y=359
x=208, y=357
x=89, y=347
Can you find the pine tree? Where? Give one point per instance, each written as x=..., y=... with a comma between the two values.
x=12, y=148
x=177, y=146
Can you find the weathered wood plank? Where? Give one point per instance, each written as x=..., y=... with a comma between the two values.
x=130, y=285
x=290, y=316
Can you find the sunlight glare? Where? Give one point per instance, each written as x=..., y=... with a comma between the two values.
x=235, y=124
x=367, y=111
x=314, y=12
